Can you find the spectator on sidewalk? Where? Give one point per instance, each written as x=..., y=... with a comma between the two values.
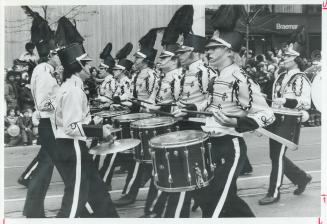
x=25, y=124
x=11, y=137
x=11, y=92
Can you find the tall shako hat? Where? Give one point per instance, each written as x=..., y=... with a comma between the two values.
x=194, y=43
x=41, y=34
x=297, y=42
x=224, y=21
x=71, y=43
x=108, y=60
x=147, y=43
x=123, y=63
x=180, y=25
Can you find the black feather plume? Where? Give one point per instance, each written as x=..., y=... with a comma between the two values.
x=149, y=39
x=181, y=23
x=299, y=36
x=29, y=12
x=106, y=51
x=125, y=51
x=67, y=33
x=226, y=16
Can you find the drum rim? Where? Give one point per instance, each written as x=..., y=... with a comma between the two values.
x=118, y=113
x=174, y=145
x=284, y=111
x=170, y=121
x=180, y=189
x=121, y=120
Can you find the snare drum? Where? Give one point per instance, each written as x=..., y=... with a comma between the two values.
x=287, y=124
x=124, y=121
x=108, y=115
x=145, y=129
x=181, y=160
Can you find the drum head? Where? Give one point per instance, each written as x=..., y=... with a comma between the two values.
x=153, y=122
x=178, y=138
x=13, y=130
x=133, y=117
x=111, y=113
x=316, y=91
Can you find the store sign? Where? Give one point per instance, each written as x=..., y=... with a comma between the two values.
x=286, y=26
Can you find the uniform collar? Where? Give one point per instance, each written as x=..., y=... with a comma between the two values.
x=293, y=71
x=195, y=65
x=228, y=69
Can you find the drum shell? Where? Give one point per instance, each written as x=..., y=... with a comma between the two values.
x=124, y=124
x=183, y=163
x=287, y=126
x=142, y=153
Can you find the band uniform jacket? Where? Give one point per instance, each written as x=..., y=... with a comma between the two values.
x=72, y=112
x=143, y=83
x=295, y=87
x=167, y=88
x=44, y=88
x=106, y=88
x=235, y=94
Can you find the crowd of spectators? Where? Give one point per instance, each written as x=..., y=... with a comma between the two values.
x=262, y=68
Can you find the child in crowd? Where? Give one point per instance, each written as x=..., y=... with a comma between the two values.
x=25, y=124
x=11, y=129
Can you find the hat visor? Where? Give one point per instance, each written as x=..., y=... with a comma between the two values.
x=139, y=54
x=213, y=44
x=183, y=49
x=84, y=57
x=118, y=67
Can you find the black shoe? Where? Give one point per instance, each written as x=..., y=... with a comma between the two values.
x=301, y=187
x=124, y=200
x=246, y=171
x=23, y=181
x=268, y=200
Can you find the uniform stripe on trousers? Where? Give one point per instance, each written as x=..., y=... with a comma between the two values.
x=180, y=204
x=280, y=170
x=31, y=170
x=77, y=179
x=101, y=161
x=136, y=168
x=155, y=200
x=223, y=196
x=112, y=160
x=88, y=207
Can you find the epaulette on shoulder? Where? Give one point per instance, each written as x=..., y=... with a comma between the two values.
x=240, y=75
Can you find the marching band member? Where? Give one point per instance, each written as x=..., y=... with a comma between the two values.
x=166, y=91
x=143, y=83
x=122, y=91
x=83, y=184
x=44, y=89
x=230, y=93
x=291, y=90
x=195, y=76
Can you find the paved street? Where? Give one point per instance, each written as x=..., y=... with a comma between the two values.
x=251, y=187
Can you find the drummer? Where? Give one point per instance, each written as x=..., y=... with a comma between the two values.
x=143, y=83
x=121, y=92
x=166, y=92
x=291, y=91
x=83, y=185
x=195, y=76
x=107, y=86
x=231, y=92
